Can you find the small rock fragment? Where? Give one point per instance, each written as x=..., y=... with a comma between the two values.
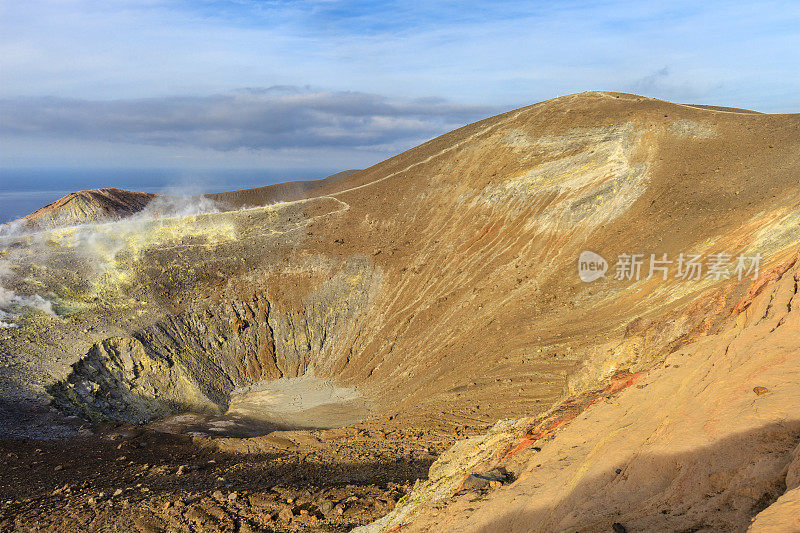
x=326, y=506
x=492, y=478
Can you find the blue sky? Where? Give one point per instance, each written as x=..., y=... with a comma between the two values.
x=271, y=84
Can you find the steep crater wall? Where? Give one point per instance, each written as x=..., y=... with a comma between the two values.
x=194, y=360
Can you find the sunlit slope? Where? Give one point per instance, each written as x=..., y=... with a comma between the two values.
x=706, y=439
x=442, y=283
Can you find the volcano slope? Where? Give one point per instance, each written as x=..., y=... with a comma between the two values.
x=436, y=293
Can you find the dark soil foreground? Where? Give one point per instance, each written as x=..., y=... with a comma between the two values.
x=125, y=478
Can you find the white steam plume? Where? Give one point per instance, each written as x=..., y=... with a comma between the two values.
x=97, y=243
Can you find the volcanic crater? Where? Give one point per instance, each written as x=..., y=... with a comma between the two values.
x=433, y=297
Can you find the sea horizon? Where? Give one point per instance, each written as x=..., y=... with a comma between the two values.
x=24, y=190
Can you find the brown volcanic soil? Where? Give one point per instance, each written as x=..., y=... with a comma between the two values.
x=440, y=286
x=337, y=480
x=279, y=192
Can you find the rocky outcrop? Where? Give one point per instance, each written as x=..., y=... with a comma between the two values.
x=85, y=207
x=118, y=378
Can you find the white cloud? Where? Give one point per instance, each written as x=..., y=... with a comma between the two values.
x=253, y=119
x=503, y=54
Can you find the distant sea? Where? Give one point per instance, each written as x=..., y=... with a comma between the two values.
x=23, y=191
